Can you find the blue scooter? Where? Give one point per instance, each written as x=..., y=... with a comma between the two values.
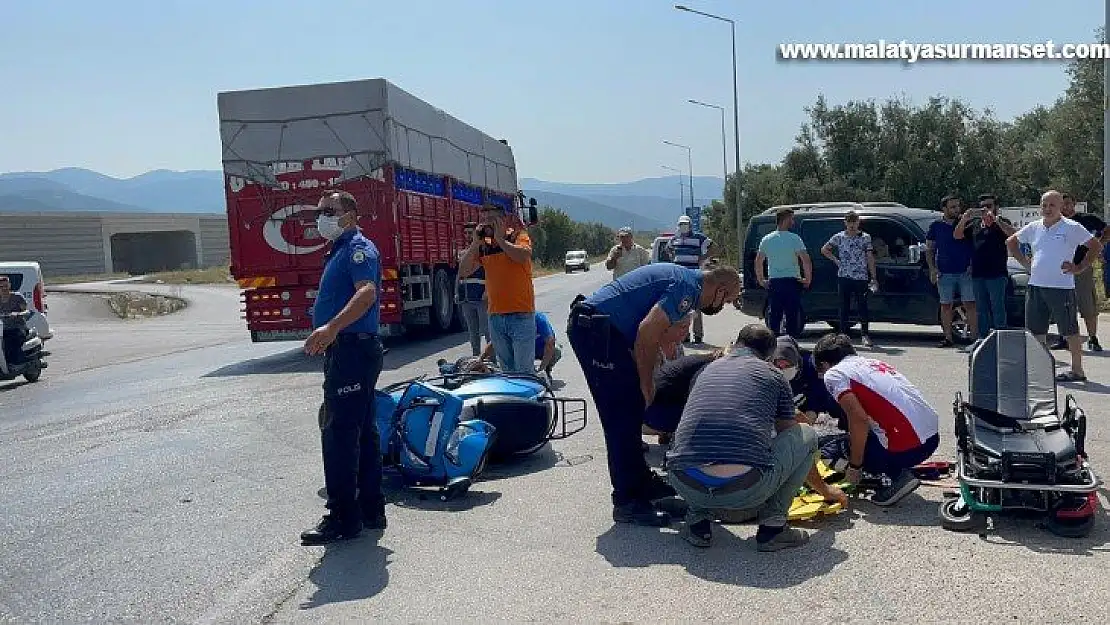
x=442, y=431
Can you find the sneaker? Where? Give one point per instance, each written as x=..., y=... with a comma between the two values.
x=787, y=538
x=641, y=513
x=329, y=530
x=699, y=534
x=899, y=487
x=1093, y=344
x=1059, y=343
x=867, y=342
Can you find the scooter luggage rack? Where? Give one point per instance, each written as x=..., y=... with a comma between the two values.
x=564, y=408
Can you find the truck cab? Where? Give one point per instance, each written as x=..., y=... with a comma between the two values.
x=660, y=248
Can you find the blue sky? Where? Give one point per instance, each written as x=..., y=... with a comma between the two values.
x=584, y=91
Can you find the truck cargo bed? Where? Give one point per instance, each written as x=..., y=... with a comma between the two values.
x=371, y=122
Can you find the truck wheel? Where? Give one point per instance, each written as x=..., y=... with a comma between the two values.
x=443, y=301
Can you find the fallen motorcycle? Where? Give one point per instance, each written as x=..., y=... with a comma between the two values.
x=443, y=430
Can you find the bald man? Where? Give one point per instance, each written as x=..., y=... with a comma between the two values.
x=1052, y=270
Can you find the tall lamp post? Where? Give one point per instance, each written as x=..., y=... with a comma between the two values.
x=736, y=123
x=690, y=166
x=724, y=140
x=1106, y=123
x=681, y=186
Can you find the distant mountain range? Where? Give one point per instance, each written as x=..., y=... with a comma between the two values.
x=648, y=204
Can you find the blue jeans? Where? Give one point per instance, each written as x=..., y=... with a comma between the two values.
x=794, y=451
x=514, y=341
x=877, y=460
x=990, y=299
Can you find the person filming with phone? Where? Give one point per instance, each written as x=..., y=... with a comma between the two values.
x=626, y=255
x=502, y=248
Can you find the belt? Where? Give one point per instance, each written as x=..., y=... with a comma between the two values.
x=351, y=337
x=742, y=482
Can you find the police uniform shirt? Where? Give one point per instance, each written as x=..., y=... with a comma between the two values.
x=689, y=248
x=628, y=299
x=353, y=258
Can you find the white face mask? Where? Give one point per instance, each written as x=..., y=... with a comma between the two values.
x=684, y=228
x=328, y=227
x=790, y=373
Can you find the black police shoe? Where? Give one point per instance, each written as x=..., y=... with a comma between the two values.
x=329, y=530
x=641, y=513
x=659, y=488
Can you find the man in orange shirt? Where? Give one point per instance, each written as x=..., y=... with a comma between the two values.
x=502, y=248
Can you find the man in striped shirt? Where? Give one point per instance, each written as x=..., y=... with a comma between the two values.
x=690, y=249
x=739, y=445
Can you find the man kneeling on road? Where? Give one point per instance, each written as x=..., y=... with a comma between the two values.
x=724, y=456
x=548, y=351
x=891, y=428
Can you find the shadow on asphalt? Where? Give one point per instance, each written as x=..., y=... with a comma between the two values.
x=400, y=352
x=427, y=497
x=731, y=559
x=349, y=571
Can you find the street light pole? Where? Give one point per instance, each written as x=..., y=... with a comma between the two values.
x=1106, y=123
x=724, y=138
x=681, y=196
x=690, y=166
x=736, y=124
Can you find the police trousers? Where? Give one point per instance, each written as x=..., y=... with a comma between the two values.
x=348, y=431
x=606, y=360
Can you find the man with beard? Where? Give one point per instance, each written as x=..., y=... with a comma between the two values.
x=616, y=333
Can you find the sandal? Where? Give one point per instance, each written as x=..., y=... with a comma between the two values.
x=1070, y=376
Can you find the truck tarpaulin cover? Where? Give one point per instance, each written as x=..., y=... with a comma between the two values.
x=370, y=121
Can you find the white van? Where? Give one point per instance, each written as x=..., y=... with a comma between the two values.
x=576, y=260
x=26, y=279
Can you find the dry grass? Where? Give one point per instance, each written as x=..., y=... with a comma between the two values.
x=211, y=275
x=547, y=270
x=135, y=305
x=77, y=279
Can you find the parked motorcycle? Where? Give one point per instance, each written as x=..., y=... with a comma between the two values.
x=32, y=363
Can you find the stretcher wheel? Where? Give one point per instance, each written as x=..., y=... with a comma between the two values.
x=1070, y=528
x=957, y=516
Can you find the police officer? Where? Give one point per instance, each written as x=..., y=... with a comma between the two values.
x=345, y=318
x=690, y=249
x=615, y=334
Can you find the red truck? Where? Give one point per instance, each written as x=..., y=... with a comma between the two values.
x=417, y=173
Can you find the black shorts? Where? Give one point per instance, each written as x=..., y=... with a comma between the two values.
x=1045, y=305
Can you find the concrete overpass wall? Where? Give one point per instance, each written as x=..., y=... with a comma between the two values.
x=79, y=243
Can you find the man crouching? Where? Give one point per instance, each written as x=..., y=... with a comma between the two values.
x=738, y=445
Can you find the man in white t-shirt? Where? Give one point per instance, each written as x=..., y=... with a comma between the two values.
x=891, y=427
x=1050, y=295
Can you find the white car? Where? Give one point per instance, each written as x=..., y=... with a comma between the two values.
x=26, y=279
x=576, y=260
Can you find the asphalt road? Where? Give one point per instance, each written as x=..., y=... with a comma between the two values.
x=162, y=470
